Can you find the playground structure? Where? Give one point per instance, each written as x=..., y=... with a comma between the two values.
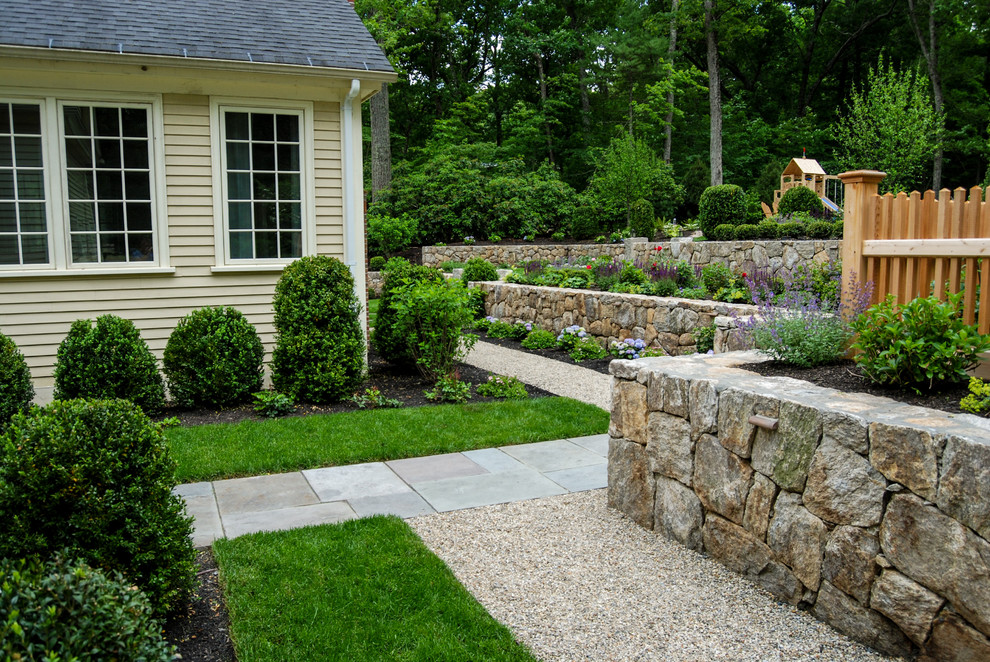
x=807, y=173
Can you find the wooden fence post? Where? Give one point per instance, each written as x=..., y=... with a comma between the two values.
x=858, y=224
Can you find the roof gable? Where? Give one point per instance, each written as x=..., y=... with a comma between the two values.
x=317, y=33
x=803, y=167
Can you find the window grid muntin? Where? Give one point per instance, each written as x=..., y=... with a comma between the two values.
x=242, y=184
x=110, y=135
x=18, y=172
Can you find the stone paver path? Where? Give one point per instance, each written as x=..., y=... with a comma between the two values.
x=407, y=488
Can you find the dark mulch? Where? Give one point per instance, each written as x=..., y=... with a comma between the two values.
x=847, y=376
x=403, y=384
x=201, y=632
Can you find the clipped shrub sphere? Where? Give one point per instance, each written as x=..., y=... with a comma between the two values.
x=95, y=477
x=479, y=269
x=721, y=205
x=376, y=263
x=747, y=231
x=68, y=610
x=768, y=229
x=108, y=360
x=792, y=230
x=837, y=230
x=16, y=390
x=213, y=359
x=819, y=229
x=799, y=198
x=319, y=350
x=724, y=232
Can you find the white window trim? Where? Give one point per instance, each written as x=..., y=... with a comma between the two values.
x=55, y=181
x=307, y=163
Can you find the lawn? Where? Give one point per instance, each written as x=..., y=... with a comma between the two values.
x=251, y=448
x=366, y=589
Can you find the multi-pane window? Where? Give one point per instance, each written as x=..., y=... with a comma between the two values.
x=108, y=183
x=264, y=184
x=23, y=224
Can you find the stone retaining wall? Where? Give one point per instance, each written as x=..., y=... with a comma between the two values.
x=777, y=256
x=665, y=321
x=872, y=514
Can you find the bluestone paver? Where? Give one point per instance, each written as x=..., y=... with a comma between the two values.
x=487, y=489
x=579, y=479
x=286, y=518
x=553, y=455
x=371, y=479
x=201, y=504
x=261, y=493
x=406, y=504
x=494, y=460
x=596, y=443
x=434, y=467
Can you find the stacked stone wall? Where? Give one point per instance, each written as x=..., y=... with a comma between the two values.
x=666, y=322
x=434, y=256
x=872, y=514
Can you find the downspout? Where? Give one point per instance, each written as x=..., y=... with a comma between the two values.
x=352, y=224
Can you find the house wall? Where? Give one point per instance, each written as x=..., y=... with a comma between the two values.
x=36, y=311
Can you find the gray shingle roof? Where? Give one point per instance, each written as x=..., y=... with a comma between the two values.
x=320, y=33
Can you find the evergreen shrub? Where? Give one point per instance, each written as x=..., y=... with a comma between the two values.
x=390, y=234
x=642, y=219
x=721, y=205
x=386, y=338
x=319, y=346
x=16, y=390
x=717, y=276
x=213, y=358
x=768, y=229
x=584, y=223
x=376, y=263
x=791, y=230
x=108, y=360
x=723, y=232
x=479, y=269
x=747, y=231
x=800, y=198
x=819, y=230
x=837, y=230
x=95, y=477
x=66, y=610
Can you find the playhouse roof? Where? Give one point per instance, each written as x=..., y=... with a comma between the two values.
x=316, y=33
x=803, y=167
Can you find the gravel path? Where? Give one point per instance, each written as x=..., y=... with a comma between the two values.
x=575, y=580
x=561, y=378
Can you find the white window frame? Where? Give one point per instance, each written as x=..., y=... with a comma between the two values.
x=221, y=211
x=56, y=183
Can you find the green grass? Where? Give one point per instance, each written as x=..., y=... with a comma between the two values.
x=373, y=309
x=251, y=448
x=366, y=589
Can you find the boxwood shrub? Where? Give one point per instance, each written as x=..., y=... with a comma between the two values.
x=723, y=232
x=800, y=198
x=768, y=229
x=95, y=477
x=385, y=337
x=747, y=231
x=16, y=390
x=837, y=230
x=66, y=610
x=819, y=229
x=721, y=205
x=479, y=269
x=791, y=230
x=108, y=360
x=213, y=359
x=642, y=219
x=319, y=346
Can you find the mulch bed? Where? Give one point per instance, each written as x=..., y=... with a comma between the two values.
x=201, y=632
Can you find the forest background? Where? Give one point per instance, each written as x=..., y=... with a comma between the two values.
x=540, y=109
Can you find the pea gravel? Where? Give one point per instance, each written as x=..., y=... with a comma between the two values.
x=575, y=580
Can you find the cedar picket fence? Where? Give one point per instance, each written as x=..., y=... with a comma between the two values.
x=918, y=245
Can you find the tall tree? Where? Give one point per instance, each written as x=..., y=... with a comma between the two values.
x=714, y=94
x=668, y=130
x=929, y=44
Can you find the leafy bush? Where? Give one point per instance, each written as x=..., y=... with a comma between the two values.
x=66, y=610
x=686, y=274
x=642, y=219
x=663, y=288
x=96, y=477
x=477, y=269
x=500, y=386
x=388, y=234
x=632, y=348
x=819, y=229
x=319, y=344
x=385, y=337
x=477, y=296
x=704, y=339
x=978, y=400
x=558, y=236
x=569, y=337
x=16, y=390
x=272, y=404
x=108, y=360
x=799, y=198
x=716, y=276
x=372, y=398
x=431, y=316
x=791, y=230
x=723, y=232
x=584, y=223
x=213, y=359
x=721, y=205
x=632, y=274
x=921, y=343
x=768, y=229
x=376, y=263
x=539, y=339
x=586, y=349
x=837, y=230
x=746, y=231
x=517, y=331
x=449, y=389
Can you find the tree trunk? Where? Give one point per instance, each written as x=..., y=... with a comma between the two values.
x=930, y=52
x=714, y=96
x=381, y=144
x=543, y=103
x=671, y=50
